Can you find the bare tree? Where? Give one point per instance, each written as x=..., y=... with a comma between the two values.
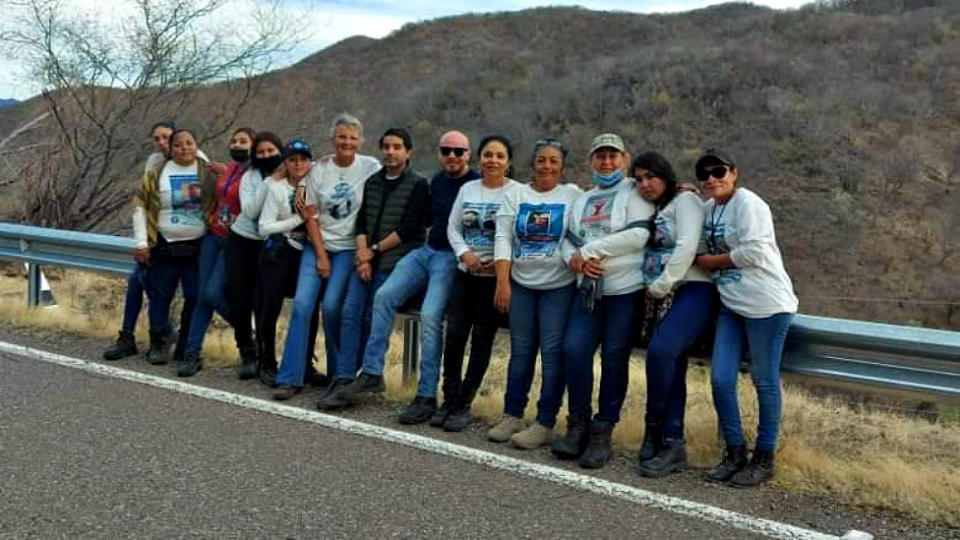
x=104, y=84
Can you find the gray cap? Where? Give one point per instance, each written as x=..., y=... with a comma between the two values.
x=608, y=140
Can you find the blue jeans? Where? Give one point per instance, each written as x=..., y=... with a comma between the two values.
x=537, y=322
x=309, y=287
x=764, y=338
x=137, y=282
x=693, y=310
x=609, y=326
x=212, y=273
x=355, y=322
x=422, y=268
x=165, y=273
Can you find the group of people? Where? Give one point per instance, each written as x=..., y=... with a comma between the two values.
x=352, y=239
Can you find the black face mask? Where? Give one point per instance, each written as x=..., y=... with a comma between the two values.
x=267, y=165
x=239, y=155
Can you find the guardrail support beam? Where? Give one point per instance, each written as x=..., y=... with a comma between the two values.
x=411, y=348
x=33, y=285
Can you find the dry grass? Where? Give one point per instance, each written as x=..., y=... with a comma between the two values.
x=828, y=445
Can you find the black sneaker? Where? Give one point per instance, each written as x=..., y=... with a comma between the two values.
x=758, y=471
x=574, y=443
x=734, y=459
x=419, y=411
x=125, y=346
x=363, y=386
x=189, y=365
x=458, y=420
x=441, y=415
x=671, y=458
x=333, y=398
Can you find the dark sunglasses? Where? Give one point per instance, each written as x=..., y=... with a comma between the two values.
x=717, y=172
x=447, y=150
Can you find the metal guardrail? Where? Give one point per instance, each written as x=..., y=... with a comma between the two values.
x=881, y=355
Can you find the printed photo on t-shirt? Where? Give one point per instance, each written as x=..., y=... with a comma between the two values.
x=479, y=223
x=185, y=192
x=341, y=201
x=715, y=237
x=539, y=229
x=595, y=222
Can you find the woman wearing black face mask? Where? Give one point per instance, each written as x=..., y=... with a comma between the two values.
x=244, y=244
x=211, y=264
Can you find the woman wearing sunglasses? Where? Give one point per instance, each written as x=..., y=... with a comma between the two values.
x=470, y=313
x=757, y=306
x=535, y=286
x=609, y=228
x=692, y=299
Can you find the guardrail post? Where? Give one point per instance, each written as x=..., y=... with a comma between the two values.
x=411, y=348
x=33, y=285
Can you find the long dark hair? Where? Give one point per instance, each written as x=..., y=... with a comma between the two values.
x=502, y=139
x=660, y=167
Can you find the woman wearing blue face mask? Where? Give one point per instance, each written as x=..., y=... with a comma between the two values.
x=609, y=227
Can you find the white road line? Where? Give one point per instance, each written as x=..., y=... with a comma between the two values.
x=583, y=482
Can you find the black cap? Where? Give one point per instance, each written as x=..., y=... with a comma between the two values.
x=714, y=155
x=297, y=146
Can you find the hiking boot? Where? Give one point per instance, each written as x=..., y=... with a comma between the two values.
x=505, y=429
x=671, y=458
x=316, y=380
x=248, y=363
x=267, y=375
x=363, y=386
x=419, y=411
x=534, y=436
x=573, y=444
x=285, y=392
x=652, y=440
x=332, y=398
x=598, y=450
x=161, y=340
x=125, y=346
x=439, y=417
x=758, y=471
x=189, y=365
x=458, y=420
x=734, y=459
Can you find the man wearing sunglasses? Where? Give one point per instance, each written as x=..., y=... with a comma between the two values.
x=430, y=268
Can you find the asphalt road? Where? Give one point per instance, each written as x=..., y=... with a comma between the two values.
x=89, y=456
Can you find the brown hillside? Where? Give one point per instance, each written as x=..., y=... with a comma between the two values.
x=845, y=116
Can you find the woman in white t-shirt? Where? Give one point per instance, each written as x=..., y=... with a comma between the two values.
x=169, y=222
x=535, y=286
x=758, y=305
x=692, y=299
x=334, y=191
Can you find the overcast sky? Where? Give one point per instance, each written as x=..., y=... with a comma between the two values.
x=334, y=20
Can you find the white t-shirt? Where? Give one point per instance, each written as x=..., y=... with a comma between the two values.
x=530, y=230
x=473, y=219
x=180, y=216
x=279, y=214
x=758, y=286
x=337, y=193
x=253, y=191
x=668, y=261
x=600, y=218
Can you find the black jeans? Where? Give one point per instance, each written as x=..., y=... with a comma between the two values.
x=242, y=257
x=470, y=308
x=278, y=269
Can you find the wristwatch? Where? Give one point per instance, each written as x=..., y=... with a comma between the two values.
x=375, y=248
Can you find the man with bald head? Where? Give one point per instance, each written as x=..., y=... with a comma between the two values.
x=429, y=268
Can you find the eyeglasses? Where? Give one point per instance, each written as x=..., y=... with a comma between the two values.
x=447, y=150
x=717, y=172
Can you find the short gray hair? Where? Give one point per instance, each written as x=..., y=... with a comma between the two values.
x=346, y=119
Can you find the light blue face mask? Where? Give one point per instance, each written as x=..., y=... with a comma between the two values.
x=607, y=181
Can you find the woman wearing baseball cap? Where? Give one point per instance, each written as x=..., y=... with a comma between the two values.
x=757, y=306
x=609, y=227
